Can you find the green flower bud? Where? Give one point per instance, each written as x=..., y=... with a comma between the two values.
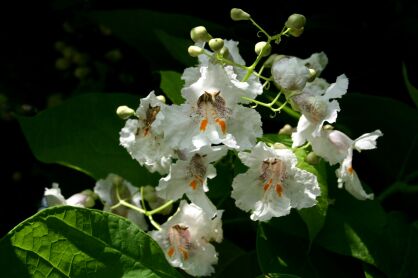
x=262, y=47
x=328, y=127
x=312, y=158
x=224, y=51
x=296, y=21
x=200, y=34
x=81, y=72
x=286, y=130
x=62, y=64
x=296, y=24
x=80, y=58
x=124, y=112
x=195, y=51
x=68, y=52
x=216, y=44
x=114, y=55
x=238, y=14
x=59, y=45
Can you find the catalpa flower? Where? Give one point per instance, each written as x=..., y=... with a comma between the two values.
x=292, y=73
x=53, y=197
x=185, y=238
x=144, y=137
x=189, y=176
x=318, y=105
x=113, y=188
x=273, y=184
x=336, y=147
x=211, y=114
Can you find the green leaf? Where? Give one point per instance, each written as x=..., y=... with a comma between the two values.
x=314, y=217
x=76, y=242
x=83, y=133
x=272, y=138
x=141, y=29
x=413, y=92
x=171, y=85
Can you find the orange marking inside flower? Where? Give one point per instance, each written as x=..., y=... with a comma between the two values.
x=350, y=170
x=279, y=189
x=193, y=184
x=185, y=254
x=203, y=124
x=221, y=124
x=146, y=131
x=267, y=185
x=170, y=252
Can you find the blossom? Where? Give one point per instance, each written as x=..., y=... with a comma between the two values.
x=53, y=197
x=144, y=138
x=336, y=147
x=292, y=73
x=189, y=176
x=212, y=114
x=273, y=184
x=185, y=238
x=318, y=105
x=113, y=188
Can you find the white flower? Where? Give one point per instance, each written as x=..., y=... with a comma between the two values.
x=336, y=147
x=318, y=106
x=273, y=184
x=113, y=186
x=189, y=176
x=143, y=137
x=292, y=73
x=211, y=114
x=185, y=238
x=53, y=197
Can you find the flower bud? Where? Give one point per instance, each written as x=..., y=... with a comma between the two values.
x=216, y=44
x=124, y=112
x=312, y=75
x=224, y=51
x=200, y=34
x=286, y=130
x=195, y=51
x=62, y=64
x=262, y=48
x=328, y=127
x=114, y=55
x=80, y=58
x=161, y=98
x=312, y=158
x=81, y=72
x=296, y=24
x=296, y=21
x=238, y=14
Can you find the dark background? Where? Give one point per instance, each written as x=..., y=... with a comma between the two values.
x=368, y=41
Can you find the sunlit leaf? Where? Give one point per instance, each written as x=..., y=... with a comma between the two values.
x=76, y=242
x=171, y=85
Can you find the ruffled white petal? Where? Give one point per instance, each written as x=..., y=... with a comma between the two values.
x=367, y=141
x=53, y=196
x=290, y=74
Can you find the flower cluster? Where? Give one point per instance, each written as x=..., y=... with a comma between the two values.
x=183, y=142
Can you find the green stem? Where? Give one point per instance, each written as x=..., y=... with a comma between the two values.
x=129, y=205
x=259, y=28
x=157, y=210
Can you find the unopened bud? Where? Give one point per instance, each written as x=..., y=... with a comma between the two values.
x=68, y=52
x=296, y=32
x=80, y=59
x=312, y=158
x=312, y=75
x=296, y=21
x=328, y=127
x=200, y=34
x=161, y=98
x=279, y=146
x=195, y=51
x=114, y=55
x=224, y=51
x=238, y=14
x=124, y=112
x=262, y=48
x=216, y=44
x=62, y=64
x=286, y=130
x=81, y=72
